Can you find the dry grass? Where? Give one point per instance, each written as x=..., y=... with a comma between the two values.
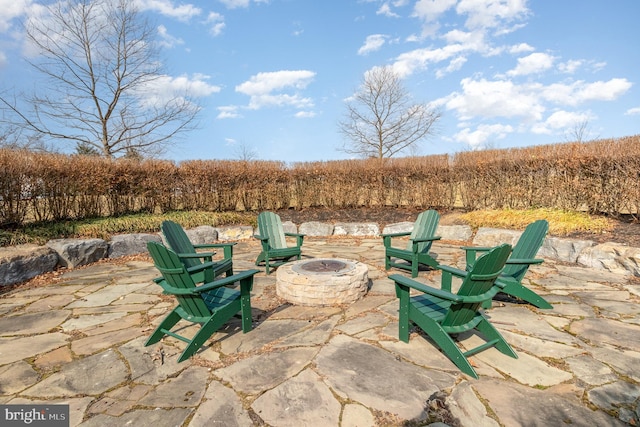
x=561, y=222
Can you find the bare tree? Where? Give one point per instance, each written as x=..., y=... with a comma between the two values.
x=381, y=119
x=579, y=132
x=101, y=82
x=245, y=153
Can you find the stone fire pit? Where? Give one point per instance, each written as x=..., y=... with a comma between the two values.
x=318, y=282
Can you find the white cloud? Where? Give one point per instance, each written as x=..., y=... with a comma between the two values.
x=632, y=111
x=305, y=114
x=262, y=86
x=482, y=98
x=565, y=119
x=458, y=36
x=419, y=59
x=502, y=98
x=532, y=64
x=521, y=48
x=429, y=11
x=372, y=43
x=561, y=120
x=166, y=39
x=454, y=65
x=10, y=10
x=167, y=88
x=279, y=100
x=233, y=4
x=570, y=66
x=228, y=112
x=385, y=10
x=578, y=92
x=483, y=134
x=183, y=12
x=264, y=83
x=216, y=22
x=491, y=13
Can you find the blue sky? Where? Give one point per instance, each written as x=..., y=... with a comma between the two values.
x=273, y=75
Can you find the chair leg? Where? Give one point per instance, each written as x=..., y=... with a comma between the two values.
x=166, y=325
x=205, y=332
x=526, y=294
x=414, y=267
x=403, y=313
x=444, y=341
x=491, y=333
x=245, y=304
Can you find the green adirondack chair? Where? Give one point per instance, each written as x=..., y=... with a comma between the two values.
x=417, y=251
x=275, y=251
x=521, y=258
x=198, y=263
x=211, y=304
x=441, y=314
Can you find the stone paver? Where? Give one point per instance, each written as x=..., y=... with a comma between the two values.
x=81, y=342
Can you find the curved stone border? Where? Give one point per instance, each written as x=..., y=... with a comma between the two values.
x=21, y=263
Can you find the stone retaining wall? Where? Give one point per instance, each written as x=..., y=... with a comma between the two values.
x=21, y=263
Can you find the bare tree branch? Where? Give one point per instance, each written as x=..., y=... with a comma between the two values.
x=381, y=121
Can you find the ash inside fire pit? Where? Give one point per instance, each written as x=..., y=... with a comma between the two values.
x=324, y=266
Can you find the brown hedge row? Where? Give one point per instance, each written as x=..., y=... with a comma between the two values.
x=601, y=177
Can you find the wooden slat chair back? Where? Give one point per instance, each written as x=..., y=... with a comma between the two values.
x=526, y=248
x=421, y=237
x=424, y=229
x=191, y=255
x=521, y=258
x=270, y=226
x=273, y=239
x=210, y=304
x=441, y=314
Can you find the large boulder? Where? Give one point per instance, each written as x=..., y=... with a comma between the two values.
x=356, y=229
x=315, y=228
x=202, y=234
x=76, y=252
x=130, y=244
x=235, y=232
x=23, y=262
x=567, y=250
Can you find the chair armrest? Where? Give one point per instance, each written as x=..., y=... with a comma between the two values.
x=410, y=283
x=226, y=247
x=197, y=255
x=447, y=276
x=524, y=261
x=427, y=239
x=400, y=234
x=452, y=270
x=476, y=248
x=229, y=280
x=259, y=237
x=298, y=236
x=206, y=256
x=471, y=253
x=204, y=266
